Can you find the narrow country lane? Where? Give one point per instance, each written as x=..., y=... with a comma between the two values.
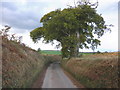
x=55, y=78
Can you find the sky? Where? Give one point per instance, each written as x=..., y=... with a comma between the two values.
x=24, y=16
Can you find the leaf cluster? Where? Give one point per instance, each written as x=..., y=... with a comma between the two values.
x=72, y=26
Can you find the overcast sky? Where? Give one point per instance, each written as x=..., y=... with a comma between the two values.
x=24, y=16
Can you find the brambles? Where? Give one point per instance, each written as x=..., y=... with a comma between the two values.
x=95, y=70
x=4, y=33
x=21, y=65
x=16, y=38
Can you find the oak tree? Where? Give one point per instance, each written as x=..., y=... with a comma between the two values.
x=73, y=27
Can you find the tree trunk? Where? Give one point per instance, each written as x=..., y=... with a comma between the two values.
x=76, y=49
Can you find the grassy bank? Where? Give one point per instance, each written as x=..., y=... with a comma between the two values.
x=94, y=71
x=21, y=65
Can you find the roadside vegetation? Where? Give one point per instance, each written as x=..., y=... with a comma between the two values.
x=21, y=65
x=78, y=27
x=75, y=27
x=95, y=70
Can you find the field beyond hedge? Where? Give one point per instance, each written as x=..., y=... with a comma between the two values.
x=50, y=52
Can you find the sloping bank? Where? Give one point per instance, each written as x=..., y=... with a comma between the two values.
x=94, y=71
x=21, y=65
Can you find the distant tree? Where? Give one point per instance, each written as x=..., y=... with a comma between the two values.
x=98, y=52
x=73, y=27
x=106, y=52
x=39, y=50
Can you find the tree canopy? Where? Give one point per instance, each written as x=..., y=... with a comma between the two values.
x=73, y=27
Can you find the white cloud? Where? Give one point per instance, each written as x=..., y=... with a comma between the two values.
x=28, y=41
x=109, y=41
x=24, y=17
x=29, y=14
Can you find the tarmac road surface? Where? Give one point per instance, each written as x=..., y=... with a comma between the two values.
x=55, y=78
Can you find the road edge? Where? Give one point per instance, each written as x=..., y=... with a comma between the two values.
x=73, y=80
x=39, y=81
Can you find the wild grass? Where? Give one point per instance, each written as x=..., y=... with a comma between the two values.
x=21, y=65
x=94, y=71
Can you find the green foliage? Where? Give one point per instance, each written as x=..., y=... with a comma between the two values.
x=37, y=34
x=39, y=50
x=73, y=28
x=98, y=52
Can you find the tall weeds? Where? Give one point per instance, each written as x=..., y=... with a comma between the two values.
x=94, y=71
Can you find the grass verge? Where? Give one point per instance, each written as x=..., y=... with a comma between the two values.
x=21, y=65
x=94, y=71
